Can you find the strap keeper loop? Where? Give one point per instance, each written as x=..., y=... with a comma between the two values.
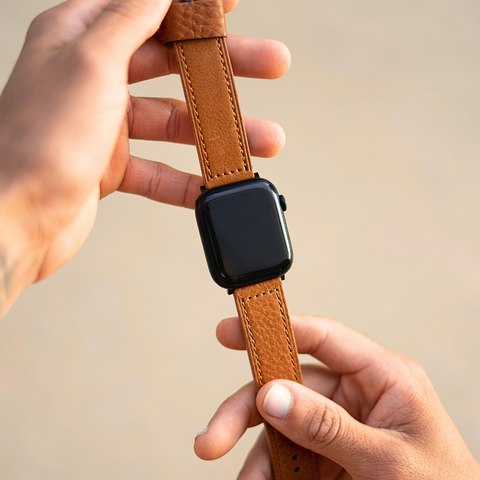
x=193, y=20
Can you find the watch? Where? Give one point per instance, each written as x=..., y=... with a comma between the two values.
x=240, y=215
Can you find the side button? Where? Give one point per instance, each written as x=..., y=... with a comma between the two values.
x=283, y=203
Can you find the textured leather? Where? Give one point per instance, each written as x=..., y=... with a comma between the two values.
x=188, y=21
x=212, y=100
x=222, y=147
x=273, y=354
x=215, y=114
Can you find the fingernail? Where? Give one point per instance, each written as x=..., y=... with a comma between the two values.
x=277, y=401
x=202, y=432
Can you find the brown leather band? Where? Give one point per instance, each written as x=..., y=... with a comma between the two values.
x=209, y=87
x=181, y=21
x=222, y=147
x=273, y=354
x=212, y=101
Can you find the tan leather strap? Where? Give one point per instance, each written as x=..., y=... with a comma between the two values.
x=198, y=37
x=181, y=21
x=210, y=92
x=273, y=354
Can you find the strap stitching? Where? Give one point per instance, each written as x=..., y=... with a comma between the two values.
x=261, y=294
x=252, y=340
x=313, y=463
x=277, y=448
x=284, y=321
x=286, y=333
x=230, y=173
x=282, y=313
x=232, y=103
x=197, y=117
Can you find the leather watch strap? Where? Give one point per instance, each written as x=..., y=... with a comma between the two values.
x=273, y=354
x=209, y=88
x=197, y=33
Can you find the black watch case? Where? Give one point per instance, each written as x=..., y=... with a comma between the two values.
x=244, y=233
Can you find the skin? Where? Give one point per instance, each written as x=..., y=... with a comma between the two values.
x=66, y=117
x=371, y=413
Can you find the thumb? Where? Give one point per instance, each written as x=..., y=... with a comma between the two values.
x=124, y=25
x=319, y=424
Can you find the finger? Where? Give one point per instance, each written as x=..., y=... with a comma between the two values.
x=251, y=57
x=168, y=120
x=63, y=23
x=257, y=465
x=258, y=58
x=239, y=412
x=229, y=334
x=122, y=27
x=344, y=350
x=230, y=5
x=161, y=183
x=320, y=379
x=228, y=424
x=318, y=424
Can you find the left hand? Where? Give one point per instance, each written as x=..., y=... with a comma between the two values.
x=66, y=117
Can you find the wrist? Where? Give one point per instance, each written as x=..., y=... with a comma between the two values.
x=20, y=245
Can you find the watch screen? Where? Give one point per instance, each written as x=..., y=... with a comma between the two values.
x=247, y=232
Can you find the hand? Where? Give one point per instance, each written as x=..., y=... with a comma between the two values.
x=66, y=117
x=370, y=412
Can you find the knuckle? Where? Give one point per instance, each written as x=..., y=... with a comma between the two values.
x=415, y=379
x=38, y=24
x=153, y=189
x=323, y=425
x=47, y=21
x=135, y=11
x=411, y=365
x=187, y=195
x=127, y=10
x=82, y=57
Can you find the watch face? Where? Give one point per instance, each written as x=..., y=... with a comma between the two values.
x=244, y=233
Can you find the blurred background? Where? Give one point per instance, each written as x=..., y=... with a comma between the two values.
x=111, y=367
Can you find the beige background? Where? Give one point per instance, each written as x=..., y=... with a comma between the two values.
x=110, y=368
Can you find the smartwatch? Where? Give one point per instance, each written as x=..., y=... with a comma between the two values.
x=240, y=216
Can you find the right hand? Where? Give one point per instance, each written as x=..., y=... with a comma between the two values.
x=371, y=413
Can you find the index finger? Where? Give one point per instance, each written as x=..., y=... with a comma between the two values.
x=342, y=349
x=251, y=57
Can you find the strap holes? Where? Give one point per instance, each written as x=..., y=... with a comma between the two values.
x=292, y=444
x=295, y=457
x=297, y=470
